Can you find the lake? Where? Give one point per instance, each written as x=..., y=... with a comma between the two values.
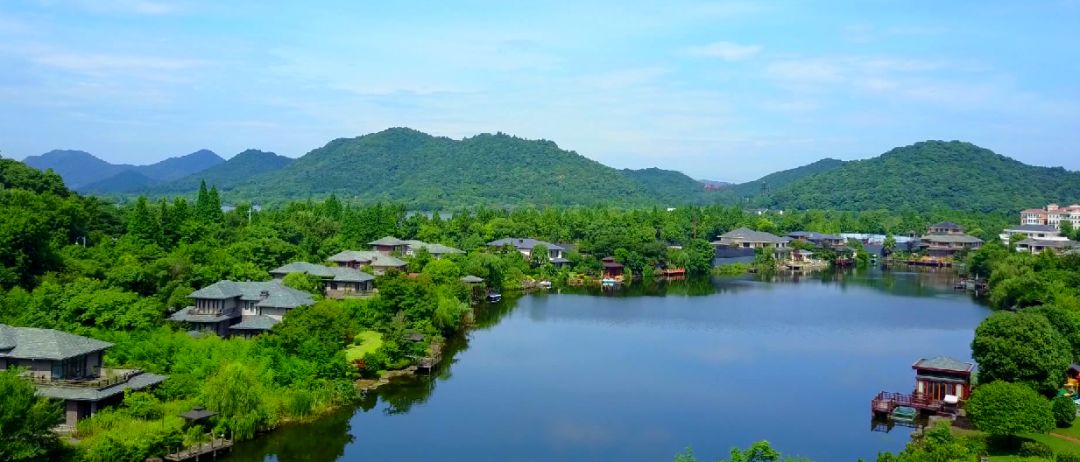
x=642, y=373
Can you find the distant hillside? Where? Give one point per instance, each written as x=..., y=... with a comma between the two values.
x=773, y=181
x=17, y=175
x=179, y=167
x=669, y=186
x=240, y=168
x=84, y=172
x=928, y=175
x=127, y=181
x=427, y=171
x=77, y=168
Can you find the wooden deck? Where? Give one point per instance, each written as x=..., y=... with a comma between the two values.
x=885, y=402
x=203, y=451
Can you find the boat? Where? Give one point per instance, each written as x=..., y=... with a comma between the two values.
x=545, y=284
x=609, y=281
x=904, y=413
x=494, y=297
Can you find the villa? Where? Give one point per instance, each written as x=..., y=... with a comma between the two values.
x=746, y=238
x=526, y=246
x=948, y=239
x=337, y=281
x=1036, y=232
x=68, y=367
x=240, y=308
x=390, y=245
x=378, y=261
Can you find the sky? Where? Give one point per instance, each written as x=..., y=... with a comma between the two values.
x=719, y=90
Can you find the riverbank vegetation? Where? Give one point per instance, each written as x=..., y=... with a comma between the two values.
x=114, y=273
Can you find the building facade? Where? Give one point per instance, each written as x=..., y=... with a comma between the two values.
x=240, y=308
x=1052, y=215
x=68, y=367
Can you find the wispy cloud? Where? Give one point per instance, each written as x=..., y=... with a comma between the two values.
x=727, y=51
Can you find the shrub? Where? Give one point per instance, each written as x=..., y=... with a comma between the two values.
x=1035, y=449
x=1064, y=411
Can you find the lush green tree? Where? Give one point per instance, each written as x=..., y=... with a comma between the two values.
x=1067, y=230
x=1064, y=410
x=936, y=444
x=26, y=420
x=1021, y=347
x=1007, y=409
x=538, y=256
x=237, y=395
x=303, y=282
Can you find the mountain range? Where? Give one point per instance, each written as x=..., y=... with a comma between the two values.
x=426, y=171
x=83, y=172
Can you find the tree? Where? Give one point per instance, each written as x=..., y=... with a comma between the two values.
x=1008, y=409
x=142, y=224
x=303, y=282
x=234, y=392
x=538, y=255
x=1064, y=410
x=889, y=244
x=26, y=420
x=937, y=444
x=1067, y=229
x=1021, y=347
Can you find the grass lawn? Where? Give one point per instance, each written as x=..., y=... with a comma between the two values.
x=366, y=342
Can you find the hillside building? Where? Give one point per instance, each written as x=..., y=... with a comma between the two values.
x=1052, y=215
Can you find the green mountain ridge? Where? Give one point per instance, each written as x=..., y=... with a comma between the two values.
x=930, y=175
x=426, y=171
x=238, y=169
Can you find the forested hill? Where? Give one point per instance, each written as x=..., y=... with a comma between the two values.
x=670, y=186
x=421, y=170
x=238, y=169
x=779, y=179
x=930, y=175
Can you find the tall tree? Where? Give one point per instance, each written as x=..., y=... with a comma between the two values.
x=26, y=420
x=1021, y=347
x=142, y=224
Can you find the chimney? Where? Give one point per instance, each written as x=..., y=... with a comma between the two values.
x=263, y=295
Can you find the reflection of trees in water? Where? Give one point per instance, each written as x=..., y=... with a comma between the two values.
x=402, y=394
x=322, y=440
x=907, y=282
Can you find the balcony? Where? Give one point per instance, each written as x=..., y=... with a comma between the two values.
x=108, y=378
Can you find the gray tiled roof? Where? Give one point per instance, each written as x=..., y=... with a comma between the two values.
x=943, y=363
x=1032, y=228
x=388, y=241
x=278, y=295
x=34, y=343
x=812, y=236
x=948, y=225
x=340, y=274
x=137, y=382
x=523, y=243
x=185, y=315
x=256, y=323
x=470, y=279
x=434, y=249
x=750, y=235
x=368, y=257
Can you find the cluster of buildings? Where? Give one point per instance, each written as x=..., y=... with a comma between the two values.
x=1052, y=215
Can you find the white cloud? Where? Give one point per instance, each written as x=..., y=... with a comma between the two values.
x=727, y=51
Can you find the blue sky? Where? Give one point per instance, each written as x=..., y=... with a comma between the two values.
x=728, y=90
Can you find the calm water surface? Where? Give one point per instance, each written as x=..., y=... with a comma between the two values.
x=642, y=374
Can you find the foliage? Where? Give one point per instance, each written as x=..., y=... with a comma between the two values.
x=303, y=282
x=26, y=420
x=760, y=451
x=930, y=175
x=1064, y=410
x=1021, y=347
x=936, y=444
x=1006, y=409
